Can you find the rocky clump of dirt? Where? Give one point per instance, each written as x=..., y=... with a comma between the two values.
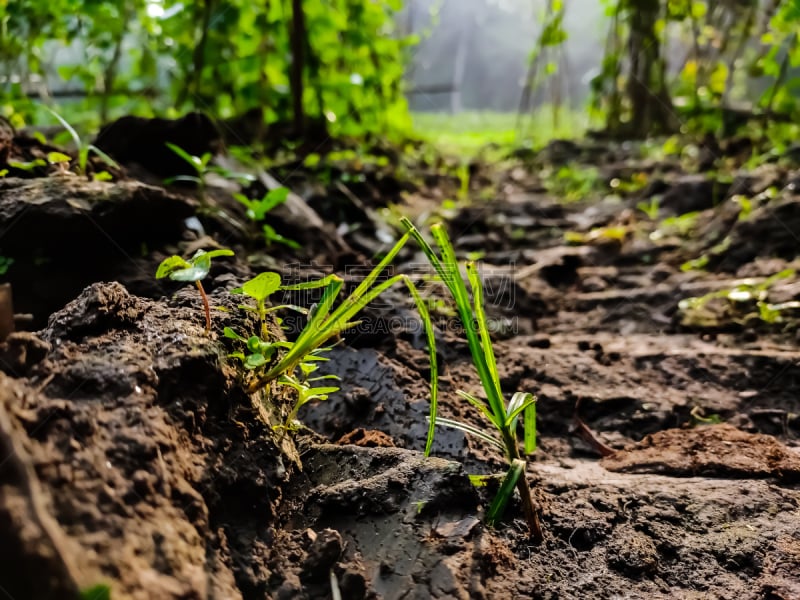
x=158, y=462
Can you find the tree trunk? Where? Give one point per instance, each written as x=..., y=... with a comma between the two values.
x=650, y=103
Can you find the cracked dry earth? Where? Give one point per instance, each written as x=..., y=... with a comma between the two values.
x=131, y=455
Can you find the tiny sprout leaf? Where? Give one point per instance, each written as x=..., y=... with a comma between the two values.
x=253, y=343
x=58, y=157
x=231, y=334
x=216, y=253
x=194, y=269
x=170, y=265
x=270, y=200
x=253, y=361
x=102, y=176
x=307, y=368
x=267, y=349
x=262, y=286
x=190, y=274
x=27, y=166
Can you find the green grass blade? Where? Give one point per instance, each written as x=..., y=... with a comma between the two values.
x=73, y=134
x=505, y=492
x=448, y=269
x=375, y=273
x=483, y=327
x=104, y=157
x=337, y=322
x=189, y=178
x=529, y=423
x=310, y=285
x=340, y=319
x=300, y=309
x=480, y=405
x=320, y=314
x=434, y=384
x=461, y=295
x=195, y=161
x=472, y=431
x=519, y=402
x=357, y=300
x=320, y=329
x=352, y=306
x=427, y=249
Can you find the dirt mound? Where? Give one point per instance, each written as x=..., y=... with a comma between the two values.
x=64, y=233
x=711, y=451
x=129, y=443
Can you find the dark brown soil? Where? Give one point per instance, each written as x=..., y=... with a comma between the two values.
x=130, y=454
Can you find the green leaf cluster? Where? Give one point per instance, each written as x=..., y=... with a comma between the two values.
x=293, y=363
x=740, y=303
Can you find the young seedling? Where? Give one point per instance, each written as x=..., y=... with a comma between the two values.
x=200, y=164
x=195, y=269
x=84, y=147
x=260, y=349
x=258, y=209
x=292, y=363
x=325, y=322
x=202, y=169
x=501, y=416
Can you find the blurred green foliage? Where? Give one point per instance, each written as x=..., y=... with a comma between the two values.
x=221, y=56
x=667, y=63
x=734, y=60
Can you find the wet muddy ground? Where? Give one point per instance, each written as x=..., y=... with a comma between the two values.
x=132, y=455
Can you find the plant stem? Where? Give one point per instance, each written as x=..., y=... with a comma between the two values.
x=530, y=512
x=206, y=307
x=531, y=515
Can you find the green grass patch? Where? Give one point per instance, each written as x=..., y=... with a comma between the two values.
x=468, y=132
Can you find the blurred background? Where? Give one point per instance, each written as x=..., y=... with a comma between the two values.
x=461, y=71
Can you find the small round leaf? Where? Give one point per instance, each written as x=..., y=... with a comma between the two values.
x=262, y=286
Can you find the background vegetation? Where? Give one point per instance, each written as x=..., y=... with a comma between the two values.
x=347, y=66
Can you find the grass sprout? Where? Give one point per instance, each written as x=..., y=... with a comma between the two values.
x=503, y=418
x=84, y=148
